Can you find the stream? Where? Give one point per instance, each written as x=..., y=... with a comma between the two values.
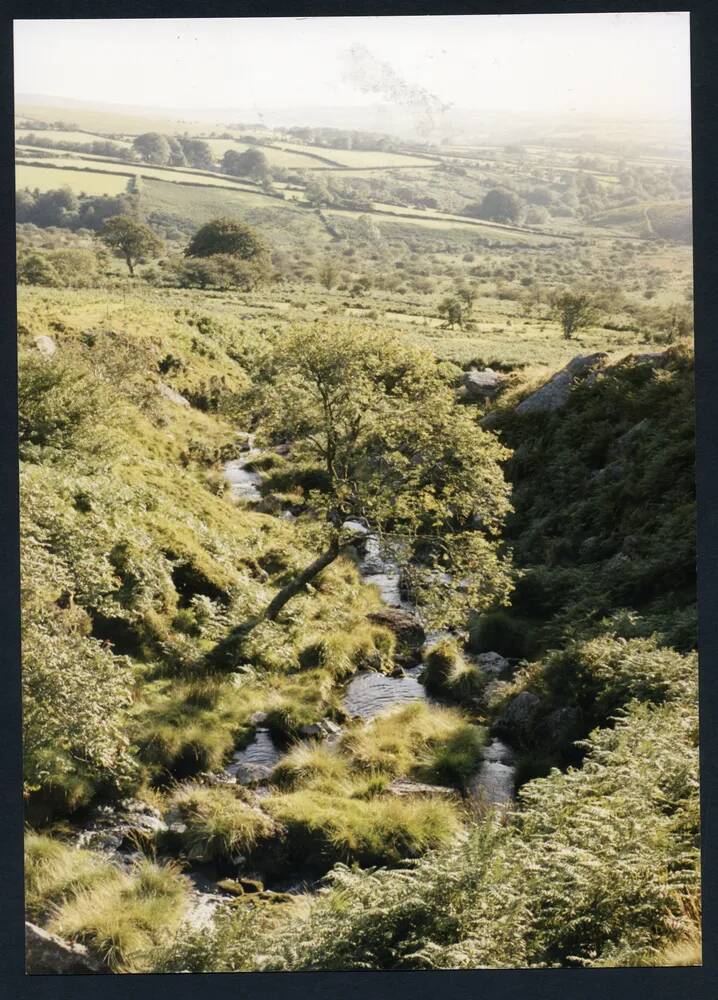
x=368, y=693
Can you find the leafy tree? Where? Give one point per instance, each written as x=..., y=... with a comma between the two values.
x=177, y=155
x=574, y=311
x=467, y=294
x=453, y=309
x=153, y=147
x=395, y=450
x=498, y=205
x=226, y=236
x=251, y=163
x=130, y=239
x=197, y=153
x=221, y=270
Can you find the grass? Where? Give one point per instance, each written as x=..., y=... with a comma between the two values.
x=366, y=647
x=87, y=181
x=107, y=166
x=324, y=827
x=60, y=135
x=220, y=823
x=448, y=673
x=121, y=915
x=413, y=739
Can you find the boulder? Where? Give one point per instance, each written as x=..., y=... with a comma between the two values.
x=562, y=726
x=519, y=715
x=45, y=345
x=405, y=625
x=555, y=393
x=46, y=953
x=480, y=384
x=493, y=664
x=321, y=729
x=174, y=397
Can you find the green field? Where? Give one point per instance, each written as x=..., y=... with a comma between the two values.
x=359, y=158
x=57, y=135
x=87, y=181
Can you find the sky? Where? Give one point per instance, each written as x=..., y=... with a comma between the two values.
x=630, y=64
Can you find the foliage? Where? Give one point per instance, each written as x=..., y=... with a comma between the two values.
x=574, y=311
x=218, y=822
x=130, y=239
x=226, y=236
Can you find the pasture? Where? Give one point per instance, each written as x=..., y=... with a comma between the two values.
x=80, y=181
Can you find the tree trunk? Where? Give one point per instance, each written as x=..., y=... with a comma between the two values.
x=128, y=260
x=298, y=584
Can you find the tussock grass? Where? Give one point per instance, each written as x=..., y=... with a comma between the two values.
x=366, y=647
x=121, y=915
x=448, y=673
x=311, y=762
x=220, y=823
x=325, y=827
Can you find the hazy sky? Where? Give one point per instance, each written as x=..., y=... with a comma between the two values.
x=606, y=63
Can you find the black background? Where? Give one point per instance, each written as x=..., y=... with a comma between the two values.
x=561, y=984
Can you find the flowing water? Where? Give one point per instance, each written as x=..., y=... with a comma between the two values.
x=243, y=483
x=256, y=761
x=369, y=693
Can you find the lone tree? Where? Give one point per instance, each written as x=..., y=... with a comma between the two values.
x=226, y=236
x=452, y=309
x=497, y=205
x=130, y=239
x=252, y=163
x=397, y=457
x=153, y=147
x=574, y=311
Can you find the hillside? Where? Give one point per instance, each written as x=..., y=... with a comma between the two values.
x=358, y=551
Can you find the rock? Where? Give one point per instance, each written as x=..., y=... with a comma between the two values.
x=480, y=384
x=172, y=395
x=257, y=718
x=405, y=625
x=232, y=886
x=45, y=345
x=270, y=504
x=46, y=953
x=491, y=420
x=519, y=715
x=253, y=774
x=325, y=727
x=405, y=786
x=493, y=664
x=555, y=393
x=562, y=726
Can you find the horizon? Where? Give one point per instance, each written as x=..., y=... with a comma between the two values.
x=558, y=65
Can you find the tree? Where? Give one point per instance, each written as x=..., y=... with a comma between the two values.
x=153, y=147
x=130, y=239
x=498, y=205
x=226, y=236
x=251, y=163
x=467, y=294
x=574, y=311
x=396, y=452
x=197, y=153
x=221, y=271
x=452, y=309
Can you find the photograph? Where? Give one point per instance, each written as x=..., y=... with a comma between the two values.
x=356, y=433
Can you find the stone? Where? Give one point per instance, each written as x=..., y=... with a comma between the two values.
x=174, y=397
x=45, y=345
x=46, y=953
x=405, y=786
x=493, y=664
x=554, y=394
x=519, y=715
x=562, y=726
x=481, y=384
x=250, y=885
x=405, y=625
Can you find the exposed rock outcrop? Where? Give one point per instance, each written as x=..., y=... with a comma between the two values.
x=47, y=954
x=555, y=393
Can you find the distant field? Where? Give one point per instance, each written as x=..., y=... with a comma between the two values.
x=107, y=121
x=670, y=220
x=282, y=222
x=142, y=170
x=55, y=135
x=359, y=157
x=446, y=222
x=87, y=181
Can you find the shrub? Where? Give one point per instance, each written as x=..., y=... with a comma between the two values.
x=501, y=632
